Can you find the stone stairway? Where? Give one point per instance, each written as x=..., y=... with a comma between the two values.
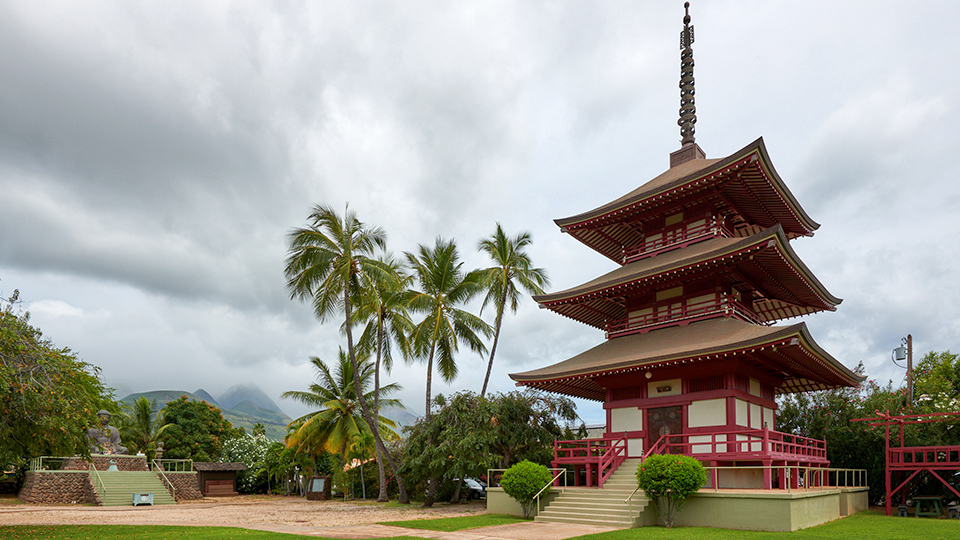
x=603, y=507
x=119, y=487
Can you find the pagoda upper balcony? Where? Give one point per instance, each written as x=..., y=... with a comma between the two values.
x=677, y=235
x=681, y=312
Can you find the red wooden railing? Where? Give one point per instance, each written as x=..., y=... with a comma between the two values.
x=603, y=454
x=754, y=443
x=911, y=457
x=673, y=238
x=671, y=313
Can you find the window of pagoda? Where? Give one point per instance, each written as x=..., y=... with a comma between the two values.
x=680, y=305
x=675, y=229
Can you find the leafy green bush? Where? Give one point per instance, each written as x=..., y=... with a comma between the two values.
x=668, y=480
x=523, y=481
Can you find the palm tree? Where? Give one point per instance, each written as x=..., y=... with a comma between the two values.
x=511, y=266
x=143, y=427
x=444, y=287
x=328, y=263
x=359, y=450
x=338, y=420
x=384, y=307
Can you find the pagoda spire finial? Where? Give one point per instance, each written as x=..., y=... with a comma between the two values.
x=688, y=108
x=689, y=148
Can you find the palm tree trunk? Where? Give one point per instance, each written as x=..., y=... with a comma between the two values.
x=382, y=497
x=493, y=348
x=374, y=426
x=426, y=408
x=432, y=482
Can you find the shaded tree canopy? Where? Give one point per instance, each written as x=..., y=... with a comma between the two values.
x=48, y=397
x=197, y=430
x=469, y=434
x=826, y=415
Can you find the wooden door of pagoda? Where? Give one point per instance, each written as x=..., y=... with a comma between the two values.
x=665, y=421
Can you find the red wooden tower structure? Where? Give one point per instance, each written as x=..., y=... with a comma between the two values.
x=691, y=363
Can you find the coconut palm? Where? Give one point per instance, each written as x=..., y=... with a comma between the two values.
x=384, y=308
x=444, y=287
x=329, y=262
x=338, y=421
x=512, y=266
x=143, y=427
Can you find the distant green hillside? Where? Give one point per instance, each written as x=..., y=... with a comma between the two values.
x=244, y=415
x=162, y=396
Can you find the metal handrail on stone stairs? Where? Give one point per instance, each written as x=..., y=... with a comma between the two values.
x=102, y=488
x=173, y=490
x=554, y=479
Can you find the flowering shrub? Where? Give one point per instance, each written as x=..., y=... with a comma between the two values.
x=251, y=451
x=668, y=480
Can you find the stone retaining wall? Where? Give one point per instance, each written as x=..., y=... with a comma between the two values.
x=102, y=463
x=188, y=488
x=66, y=487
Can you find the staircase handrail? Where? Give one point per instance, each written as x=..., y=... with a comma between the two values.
x=550, y=483
x=629, y=501
x=613, y=457
x=655, y=447
x=95, y=473
x=173, y=490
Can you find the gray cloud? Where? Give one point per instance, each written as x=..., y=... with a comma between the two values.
x=153, y=158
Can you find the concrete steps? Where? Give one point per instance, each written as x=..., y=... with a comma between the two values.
x=119, y=487
x=603, y=507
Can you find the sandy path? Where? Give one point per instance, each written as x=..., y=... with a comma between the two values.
x=233, y=511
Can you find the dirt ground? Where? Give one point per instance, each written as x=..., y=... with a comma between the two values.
x=245, y=510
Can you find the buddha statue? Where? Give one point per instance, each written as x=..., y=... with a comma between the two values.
x=106, y=438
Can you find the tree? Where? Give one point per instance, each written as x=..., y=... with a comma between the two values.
x=143, y=426
x=524, y=481
x=361, y=449
x=937, y=381
x=444, y=287
x=48, y=397
x=384, y=307
x=469, y=434
x=526, y=424
x=338, y=421
x=454, y=443
x=512, y=266
x=251, y=450
x=668, y=480
x=197, y=430
x=328, y=263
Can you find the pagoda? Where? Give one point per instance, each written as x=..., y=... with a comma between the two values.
x=692, y=363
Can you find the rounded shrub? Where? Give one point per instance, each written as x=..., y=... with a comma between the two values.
x=523, y=481
x=667, y=480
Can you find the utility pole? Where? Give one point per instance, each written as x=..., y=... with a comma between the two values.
x=909, y=369
x=901, y=353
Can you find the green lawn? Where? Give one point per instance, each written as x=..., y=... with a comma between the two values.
x=151, y=532
x=866, y=525
x=457, y=523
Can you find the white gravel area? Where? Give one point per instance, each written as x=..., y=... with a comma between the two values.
x=233, y=511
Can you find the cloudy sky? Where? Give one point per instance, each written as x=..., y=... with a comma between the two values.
x=154, y=156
